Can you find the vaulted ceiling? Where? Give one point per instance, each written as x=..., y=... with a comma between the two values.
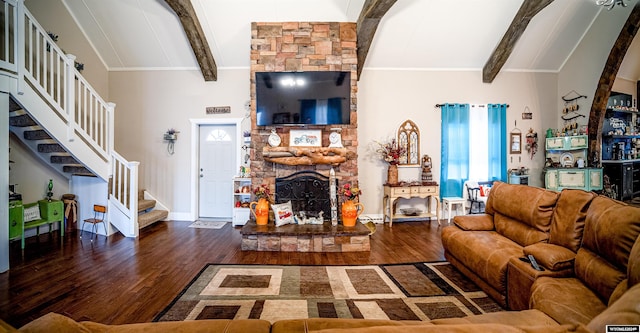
x=412, y=35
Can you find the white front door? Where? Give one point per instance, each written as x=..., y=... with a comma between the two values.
x=218, y=148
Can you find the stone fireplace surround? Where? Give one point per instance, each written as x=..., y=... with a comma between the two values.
x=303, y=46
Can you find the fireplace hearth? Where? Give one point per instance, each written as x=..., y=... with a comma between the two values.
x=308, y=191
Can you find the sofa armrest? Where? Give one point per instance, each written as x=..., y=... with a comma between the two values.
x=480, y=222
x=552, y=257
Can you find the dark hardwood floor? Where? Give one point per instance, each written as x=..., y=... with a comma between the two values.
x=117, y=280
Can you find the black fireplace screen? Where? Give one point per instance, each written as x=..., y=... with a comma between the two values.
x=307, y=190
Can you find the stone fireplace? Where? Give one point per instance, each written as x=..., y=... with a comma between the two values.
x=291, y=47
x=303, y=46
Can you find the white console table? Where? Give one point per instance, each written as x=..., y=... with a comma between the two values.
x=407, y=191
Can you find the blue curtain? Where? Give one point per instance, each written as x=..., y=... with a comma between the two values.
x=308, y=111
x=497, y=142
x=334, y=114
x=454, y=168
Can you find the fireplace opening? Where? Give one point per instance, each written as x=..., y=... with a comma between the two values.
x=308, y=192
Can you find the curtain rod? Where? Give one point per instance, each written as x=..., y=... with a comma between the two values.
x=441, y=105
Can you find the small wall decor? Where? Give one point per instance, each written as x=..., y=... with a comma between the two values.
x=570, y=112
x=171, y=135
x=527, y=114
x=409, y=138
x=515, y=143
x=532, y=142
x=305, y=138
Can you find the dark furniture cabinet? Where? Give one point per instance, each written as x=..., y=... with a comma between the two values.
x=625, y=176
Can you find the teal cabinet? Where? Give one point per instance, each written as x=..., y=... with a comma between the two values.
x=567, y=164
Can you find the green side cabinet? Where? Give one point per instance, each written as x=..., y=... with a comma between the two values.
x=16, y=216
x=52, y=210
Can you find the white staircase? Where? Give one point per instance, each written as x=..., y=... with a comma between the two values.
x=57, y=113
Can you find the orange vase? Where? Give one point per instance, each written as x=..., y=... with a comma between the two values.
x=261, y=211
x=350, y=212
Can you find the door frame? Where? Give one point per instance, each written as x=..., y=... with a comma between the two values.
x=195, y=155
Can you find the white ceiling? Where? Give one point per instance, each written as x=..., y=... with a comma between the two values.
x=414, y=34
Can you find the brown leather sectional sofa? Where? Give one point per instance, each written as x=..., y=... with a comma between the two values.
x=582, y=241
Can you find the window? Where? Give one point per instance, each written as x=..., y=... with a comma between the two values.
x=473, y=145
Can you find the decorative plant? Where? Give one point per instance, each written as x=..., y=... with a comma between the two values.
x=350, y=192
x=263, y=191
x=391, y=151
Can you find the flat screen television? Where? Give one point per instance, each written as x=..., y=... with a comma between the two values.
x=303, y=98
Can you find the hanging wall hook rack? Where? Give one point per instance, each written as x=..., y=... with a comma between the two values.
x=572, y=96
x=572, y=116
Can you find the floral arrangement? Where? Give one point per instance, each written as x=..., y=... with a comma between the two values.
x=263, y=191
x=350, y=192
x=391, y=151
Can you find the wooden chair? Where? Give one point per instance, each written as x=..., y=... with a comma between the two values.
x=474, y=197
x=99, y=212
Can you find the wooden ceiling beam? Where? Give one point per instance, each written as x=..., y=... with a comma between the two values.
x=370, y=16
x=527, y=11
x=195, y=34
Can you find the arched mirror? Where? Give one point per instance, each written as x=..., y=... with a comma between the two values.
x=409, y=137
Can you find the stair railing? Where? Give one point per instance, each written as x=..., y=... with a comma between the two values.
x=31, y=56
x=123, y=188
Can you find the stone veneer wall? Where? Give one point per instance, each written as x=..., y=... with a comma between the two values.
x=303, y=46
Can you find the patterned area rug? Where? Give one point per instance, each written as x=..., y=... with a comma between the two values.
x=207, y=224
x=420, y=291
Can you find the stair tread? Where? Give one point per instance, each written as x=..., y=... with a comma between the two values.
x=151, y=217
x=145, y=204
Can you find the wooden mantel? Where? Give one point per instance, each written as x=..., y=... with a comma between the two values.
x=306, y=155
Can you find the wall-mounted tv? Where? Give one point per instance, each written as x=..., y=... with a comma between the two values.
x=303, y=98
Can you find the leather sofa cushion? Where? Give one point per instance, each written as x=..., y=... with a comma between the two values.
x=566, y=300
x=317, y=324
x=470, y=328
x=54, y=323
x=611, y=229
x=633, y=268
x=625, y=311
x=550, y=256
x=480, y=222
x=518, y=232
x=486, y=253
x=530, y=317
x=598, y=274
x=529, y=205
x=567, y=222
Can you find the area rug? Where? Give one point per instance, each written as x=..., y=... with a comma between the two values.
x=207, y=224
x=417, y=291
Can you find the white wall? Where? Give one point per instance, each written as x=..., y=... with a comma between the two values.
x=626, y=86
x=583, y=69
x=149, y=103
x=32, y=175
x=386, y=98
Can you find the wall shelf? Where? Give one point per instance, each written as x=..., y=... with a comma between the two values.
x=306, y=155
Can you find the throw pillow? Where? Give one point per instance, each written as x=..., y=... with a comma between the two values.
x=283, y=213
